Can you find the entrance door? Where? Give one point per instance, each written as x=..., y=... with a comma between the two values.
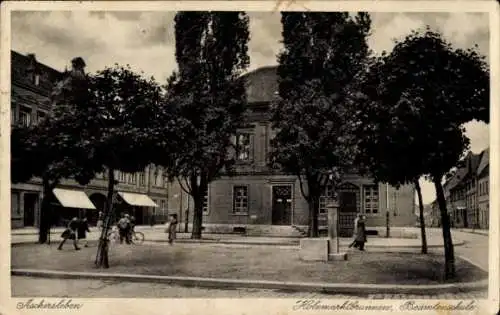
x=30, y=203
x=348, y=211
x=282, y=205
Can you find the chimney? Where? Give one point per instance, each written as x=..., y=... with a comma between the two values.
x=78, y=67
x=31, y=70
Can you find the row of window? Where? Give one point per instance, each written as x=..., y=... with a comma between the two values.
x=484, y=188
x=460, y=194
x=25, y=117
x=241, y=201
x=126, y=178
x=370, y=197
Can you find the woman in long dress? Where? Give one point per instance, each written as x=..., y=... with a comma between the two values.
x=361, y=233
x=355, y=231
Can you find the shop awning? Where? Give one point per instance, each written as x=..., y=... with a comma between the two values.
x=73, y=199
x=137, y=199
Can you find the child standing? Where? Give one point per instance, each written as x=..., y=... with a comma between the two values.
x=172, y=228
x=70, y=233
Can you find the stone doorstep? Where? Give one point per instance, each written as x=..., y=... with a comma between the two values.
x=338, y=288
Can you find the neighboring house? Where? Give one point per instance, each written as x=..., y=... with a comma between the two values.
x=483, y=189
x=259, y=198
x=435, y=215
x=467, y=192
x=31, y=85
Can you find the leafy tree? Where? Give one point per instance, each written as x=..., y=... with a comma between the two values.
x=324, y=53
x=120, y=127
x=417, y=100
x=390, y=152
x=114, y=114
x=52, y=152
x=209, y=96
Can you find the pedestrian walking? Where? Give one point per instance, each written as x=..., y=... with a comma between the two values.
x=355, y=231
x=124, y=229
x=83, y=228
x=70, y=233
x=100, y=220
x=172, y=229
x=361, y=233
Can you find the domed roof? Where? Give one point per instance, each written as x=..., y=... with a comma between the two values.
x=261, y=84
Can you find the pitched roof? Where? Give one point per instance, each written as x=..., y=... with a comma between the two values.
x=457, y=178
x=21, y=65
x=484, y=162
x=261, y=84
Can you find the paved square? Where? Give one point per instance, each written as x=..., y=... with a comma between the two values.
x=246, y=262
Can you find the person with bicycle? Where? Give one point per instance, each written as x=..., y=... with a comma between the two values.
x=124, y=229
x=132, y=227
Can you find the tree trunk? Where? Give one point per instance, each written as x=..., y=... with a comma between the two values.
x=198, y=191
x=449, y=255
x=197, y=215
x=102, y=259
x=421, y=214
x=313, y=203
x=45, y=212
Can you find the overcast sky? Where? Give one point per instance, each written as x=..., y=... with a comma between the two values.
x=145, y=40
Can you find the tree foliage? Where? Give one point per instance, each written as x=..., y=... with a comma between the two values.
x=324, y=54
x=115, y=115
x=52, y=150
x=209, y=97
x=414, y=103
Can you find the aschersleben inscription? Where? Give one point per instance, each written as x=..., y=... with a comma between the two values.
x=63, y=304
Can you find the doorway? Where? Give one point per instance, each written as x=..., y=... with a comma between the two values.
x=282, y=205
x=30, y=205
x=347, y=213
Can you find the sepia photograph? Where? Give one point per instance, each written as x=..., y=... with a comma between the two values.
x=334, y=159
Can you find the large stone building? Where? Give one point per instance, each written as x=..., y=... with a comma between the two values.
x=467, y=193
x=261, y=200
x=144, y=194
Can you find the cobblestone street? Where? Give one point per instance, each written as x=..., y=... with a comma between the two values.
x=27, y=287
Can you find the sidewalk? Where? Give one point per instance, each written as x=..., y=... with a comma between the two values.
x=157, y=234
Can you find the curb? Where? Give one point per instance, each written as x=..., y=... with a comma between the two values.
x=291, y=244
x=475, y=232
x=336, y=288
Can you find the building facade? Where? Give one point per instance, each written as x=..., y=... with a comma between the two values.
x=467, y=193
x=144, y=194
x=258, y=197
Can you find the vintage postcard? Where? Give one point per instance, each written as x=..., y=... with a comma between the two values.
x=250, y=157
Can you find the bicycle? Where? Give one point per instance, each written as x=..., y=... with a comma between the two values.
x=135, y=237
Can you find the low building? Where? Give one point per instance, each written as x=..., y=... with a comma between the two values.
x=144, y=194
x=258, y=199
